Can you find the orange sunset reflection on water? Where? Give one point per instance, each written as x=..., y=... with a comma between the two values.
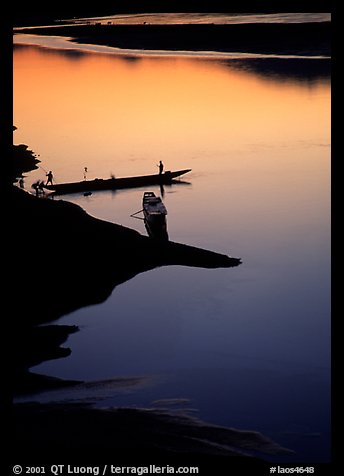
x=118, y=115
x=268, y=137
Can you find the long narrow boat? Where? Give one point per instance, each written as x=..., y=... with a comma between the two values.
x=116, y=183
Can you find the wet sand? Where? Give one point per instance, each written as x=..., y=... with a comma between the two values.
x=134, y=436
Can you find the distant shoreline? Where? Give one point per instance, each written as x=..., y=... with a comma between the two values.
x=307, y=39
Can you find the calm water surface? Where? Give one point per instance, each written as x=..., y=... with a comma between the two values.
x=246, y=347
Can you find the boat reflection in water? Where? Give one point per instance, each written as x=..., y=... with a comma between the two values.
x=154, y=212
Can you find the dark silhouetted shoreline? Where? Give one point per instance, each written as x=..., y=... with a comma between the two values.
x=83, y=258
x=307, y=39
x=80, y=259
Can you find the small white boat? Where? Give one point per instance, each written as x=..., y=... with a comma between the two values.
x=154, y=212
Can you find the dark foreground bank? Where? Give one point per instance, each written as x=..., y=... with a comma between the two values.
x=293, y=39
x=79, y=260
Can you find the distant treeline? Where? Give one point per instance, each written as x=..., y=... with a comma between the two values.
x=288, y=38
x=33, y=13
x=29, y=17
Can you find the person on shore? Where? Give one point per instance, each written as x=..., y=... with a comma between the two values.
x=50, y=178
x=35, y=187
x=161, y=167
x=38, y=187
x=41, y=188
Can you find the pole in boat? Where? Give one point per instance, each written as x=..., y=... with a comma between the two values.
x=45, y=171
x=136, y=213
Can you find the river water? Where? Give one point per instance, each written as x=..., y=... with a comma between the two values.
x=245, y=347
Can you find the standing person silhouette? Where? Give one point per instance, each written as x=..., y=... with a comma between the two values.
x=161, y=167
x=50, y=178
